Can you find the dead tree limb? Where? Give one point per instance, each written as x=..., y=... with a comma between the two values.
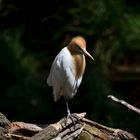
x=62, y=130
x=124, y=103
x=65, y=129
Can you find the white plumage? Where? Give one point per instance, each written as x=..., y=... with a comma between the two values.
x=62, y=76
x=67, y=70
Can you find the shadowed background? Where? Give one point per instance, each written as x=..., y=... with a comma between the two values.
x=33, y=32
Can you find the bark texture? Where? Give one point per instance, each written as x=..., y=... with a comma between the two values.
x=76, y=127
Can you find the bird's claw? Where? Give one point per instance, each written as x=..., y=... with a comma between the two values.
x=73, y=118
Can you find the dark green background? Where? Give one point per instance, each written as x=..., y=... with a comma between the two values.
x=33, y=32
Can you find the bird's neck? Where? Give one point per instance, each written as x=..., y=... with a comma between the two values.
x=78, y=61
x=79, y=64
x=71, y=48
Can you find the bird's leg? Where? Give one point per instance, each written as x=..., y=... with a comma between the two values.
x=68, y=110
x=73, y=117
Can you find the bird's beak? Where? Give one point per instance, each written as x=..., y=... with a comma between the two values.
x=87, y=53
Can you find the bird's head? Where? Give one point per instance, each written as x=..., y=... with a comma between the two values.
x=78, y=46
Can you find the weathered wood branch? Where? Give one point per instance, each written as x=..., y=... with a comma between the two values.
x=65, y=129
x=124, y=103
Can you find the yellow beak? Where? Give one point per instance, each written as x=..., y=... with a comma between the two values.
x=87, y=53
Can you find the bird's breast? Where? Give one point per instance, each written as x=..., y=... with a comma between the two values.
x=79, y=65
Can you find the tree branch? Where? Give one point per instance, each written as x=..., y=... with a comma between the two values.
x=65, y=129
x=124, y=103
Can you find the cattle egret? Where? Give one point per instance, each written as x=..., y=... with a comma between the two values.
x=67, y=70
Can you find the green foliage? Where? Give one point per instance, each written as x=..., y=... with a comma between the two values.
x=21, y=87
x=131, y=32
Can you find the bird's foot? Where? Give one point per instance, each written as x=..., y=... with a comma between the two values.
x=72, y=118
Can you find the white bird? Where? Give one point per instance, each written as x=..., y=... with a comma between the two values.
x=67, y=70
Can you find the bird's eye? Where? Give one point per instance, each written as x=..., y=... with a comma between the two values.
x=80, y=50
x=79, y=47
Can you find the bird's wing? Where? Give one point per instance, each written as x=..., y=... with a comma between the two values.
x=56, y=71
x=61, y=72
